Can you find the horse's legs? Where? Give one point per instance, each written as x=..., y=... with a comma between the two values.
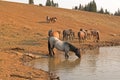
x=53, y=50
x=79, y=39
x=66, y=55
x=63, y=37
x=49, y=48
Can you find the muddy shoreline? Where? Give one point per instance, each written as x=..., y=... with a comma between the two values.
x=100, y=44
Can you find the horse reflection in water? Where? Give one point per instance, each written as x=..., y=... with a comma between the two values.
x=54, y=42
x=56, y=63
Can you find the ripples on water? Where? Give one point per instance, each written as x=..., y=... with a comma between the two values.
x=97, y=64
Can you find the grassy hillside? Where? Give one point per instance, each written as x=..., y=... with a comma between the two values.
x=25, y=25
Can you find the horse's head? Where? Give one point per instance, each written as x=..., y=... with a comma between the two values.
x=77, y=52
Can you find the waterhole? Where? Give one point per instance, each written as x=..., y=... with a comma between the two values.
x=98, y=64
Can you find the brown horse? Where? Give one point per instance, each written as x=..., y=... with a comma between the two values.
x=54, y=33
x=82, y=35
x=89, y=34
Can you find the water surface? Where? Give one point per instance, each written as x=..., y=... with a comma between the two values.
x=97, y=64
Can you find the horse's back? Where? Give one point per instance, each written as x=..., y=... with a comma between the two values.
x=54, y=33
x=81, y=34
x=54, y=41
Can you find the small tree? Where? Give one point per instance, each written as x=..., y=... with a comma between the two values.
x=91, y=7
x=94, y=6
x=76, y=8
x=48, y=3
x=51, y=3
x=31, y=2
x=55, y=4
x=117, y=13
x=106, y=11
x=80, y=7
x=101, y=11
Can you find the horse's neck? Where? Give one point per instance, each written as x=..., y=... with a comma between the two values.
x=72, y=48
x=59, y=44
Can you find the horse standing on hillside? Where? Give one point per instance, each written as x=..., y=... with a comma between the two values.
x=68, y=34
x=95, y=35
x=82, y=35
x=89, y=34
x=54, y=42
x=51, y=19
x=47, y=19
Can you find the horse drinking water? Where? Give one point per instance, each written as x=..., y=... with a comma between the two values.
x=54, y=42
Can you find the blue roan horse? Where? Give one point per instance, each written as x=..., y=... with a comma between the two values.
x=54, y=42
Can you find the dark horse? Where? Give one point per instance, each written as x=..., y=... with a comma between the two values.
x=95, y=35
x=51, y=19
x=54, y=42
x=68, y=34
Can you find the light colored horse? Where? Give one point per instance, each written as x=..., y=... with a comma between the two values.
x=52, y=33
x=54, y=42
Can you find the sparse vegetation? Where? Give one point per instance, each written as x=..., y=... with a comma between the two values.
x=31, y=2
x=117, y=13
x=92, y=7
x=51, y=3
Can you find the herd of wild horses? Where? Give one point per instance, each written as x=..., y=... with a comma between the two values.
x=82, y=35
x=54, y=40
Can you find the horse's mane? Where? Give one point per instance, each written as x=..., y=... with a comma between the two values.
x=72, y=48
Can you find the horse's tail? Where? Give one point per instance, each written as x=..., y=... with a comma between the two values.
x=49, y=46
x=98, y=36
x=79, y=36
x=63, y=34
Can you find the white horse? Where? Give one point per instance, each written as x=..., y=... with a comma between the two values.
x=54, y=42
